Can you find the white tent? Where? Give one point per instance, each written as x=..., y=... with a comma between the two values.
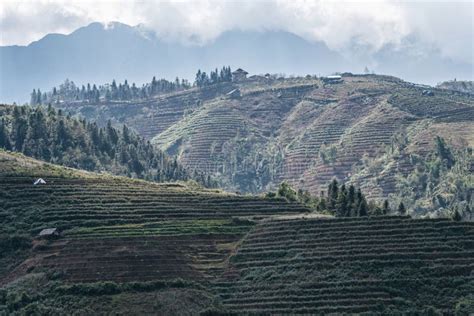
x=39, y=181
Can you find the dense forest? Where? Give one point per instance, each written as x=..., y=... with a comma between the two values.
x=70, y=92
x=52, y=136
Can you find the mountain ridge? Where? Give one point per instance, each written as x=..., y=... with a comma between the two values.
x=97, y=53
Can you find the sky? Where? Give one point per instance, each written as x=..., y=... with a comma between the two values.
x=345, y=26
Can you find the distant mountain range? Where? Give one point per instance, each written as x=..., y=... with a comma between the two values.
x=98, y=54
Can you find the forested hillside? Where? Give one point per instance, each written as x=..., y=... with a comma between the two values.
x=50, y=135
x=377, y=132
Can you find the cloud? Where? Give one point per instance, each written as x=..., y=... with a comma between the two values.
x=350, y=27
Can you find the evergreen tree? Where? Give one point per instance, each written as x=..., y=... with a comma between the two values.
x=34, y=98
x=363, y=208
x=39, y=97
x=401, y=209
x=351, y=195
x=341, y=204
x=4, y=138
x=457, y=216
x=443, y=152
x=114, y=90
x=197, y=81
x=386, y=207
x=20, y=128
x=333, y=191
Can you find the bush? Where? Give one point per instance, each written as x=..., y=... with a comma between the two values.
x=14, y=242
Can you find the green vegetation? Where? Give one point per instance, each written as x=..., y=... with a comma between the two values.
x=135, y=247
x=443, y=180
x=216, y=76
x=35, y=294
x=165, y=227
x=367, y=131
x=386, y=265
x=51, y=136
x=338, y=201
x=354, y=162
x=69, y=92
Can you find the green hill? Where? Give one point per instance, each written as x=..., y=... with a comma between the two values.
x=374, y=131
x=164, y=240
x=52, y=136
x=135, y=247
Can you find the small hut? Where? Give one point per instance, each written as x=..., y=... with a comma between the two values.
x=39, y=181
x=332, y=79
x=48, y=233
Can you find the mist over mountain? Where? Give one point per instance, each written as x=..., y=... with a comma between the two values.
x=99, y=53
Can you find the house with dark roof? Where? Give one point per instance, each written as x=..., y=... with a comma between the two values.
x=239, y=75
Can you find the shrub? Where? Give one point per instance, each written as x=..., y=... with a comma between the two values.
x=14, y=242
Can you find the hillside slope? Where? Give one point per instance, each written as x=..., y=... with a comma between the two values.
x=49, y=135
x=306, y=132
x=460, y=86
x=380, y=265
x=136, y=247
x=166, y=241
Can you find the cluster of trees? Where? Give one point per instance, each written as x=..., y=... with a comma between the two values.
x=443, y=179
x=51, y=136
x=340, y=201
x=70, y=92
x=216, y=76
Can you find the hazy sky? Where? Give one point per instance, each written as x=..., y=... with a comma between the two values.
x=446, y=26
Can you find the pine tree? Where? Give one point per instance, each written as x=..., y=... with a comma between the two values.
x=457, y=216
x=351, y=207
x=363, y=208
x=39, y=97
x=341, y=204
x=125, y=134
x=112, y=133
x=114, y=93
x=34, y=98
x=20, y=129
x=401, y=209
x=333, y=191
x=4, y=138
x=386, y=207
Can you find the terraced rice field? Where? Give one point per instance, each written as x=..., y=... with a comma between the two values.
x=243, y=254
x=115, y=229
x=71, y=203
x=351, y=265
x=277, y=129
